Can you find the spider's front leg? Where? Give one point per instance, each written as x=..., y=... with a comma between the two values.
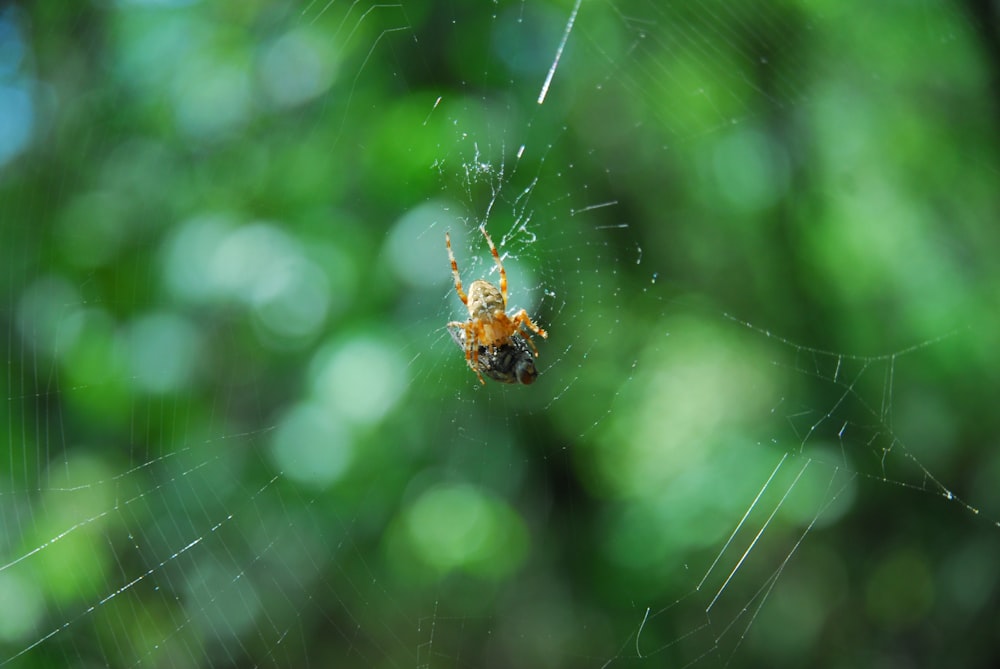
x=521, y=319
x=454, y=271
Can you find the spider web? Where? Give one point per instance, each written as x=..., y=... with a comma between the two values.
x=240, y=433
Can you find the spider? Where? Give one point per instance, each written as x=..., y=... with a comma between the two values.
x=511, y=362
x=489, y=325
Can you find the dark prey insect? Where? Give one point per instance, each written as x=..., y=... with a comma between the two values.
x=511, y=362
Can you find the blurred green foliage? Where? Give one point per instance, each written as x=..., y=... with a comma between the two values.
x=239, y=434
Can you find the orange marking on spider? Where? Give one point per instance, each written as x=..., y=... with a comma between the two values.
x=489, y=325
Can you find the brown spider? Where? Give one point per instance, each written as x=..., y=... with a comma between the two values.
x=489, y=325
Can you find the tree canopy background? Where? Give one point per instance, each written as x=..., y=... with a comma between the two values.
x=762, y=237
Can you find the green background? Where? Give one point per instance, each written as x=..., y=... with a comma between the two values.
x=762, y=236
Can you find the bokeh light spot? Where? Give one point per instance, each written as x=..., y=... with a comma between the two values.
x=74, y=508
x=416, y=249
x=311, y=447
x=298, y=308
x=211, y=97
x=250, y=263
x=458, y=526
x=23, y=596
x=361, y=379
x=751, y=170
x=211, y=258
x=688, y=404
x=48, y=315
x=215, y=600
x=164, y=351
x=17, y=118
x=297, y=67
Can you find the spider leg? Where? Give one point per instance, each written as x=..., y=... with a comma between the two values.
x=465, y=327
x=474, y=363
x=526, y=336
x=471, y=345
x=496, y=256
x=520, y=320
x=454, y=270
x=473, y=334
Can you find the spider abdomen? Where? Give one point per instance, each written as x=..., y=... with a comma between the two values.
x=485, y=301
